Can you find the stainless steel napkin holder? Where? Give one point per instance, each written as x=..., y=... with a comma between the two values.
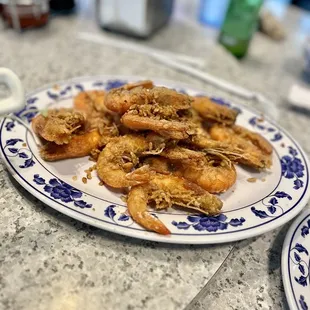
x=139, y=18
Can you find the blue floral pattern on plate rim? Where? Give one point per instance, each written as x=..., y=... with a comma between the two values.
x=225, y=227
x=296, y=263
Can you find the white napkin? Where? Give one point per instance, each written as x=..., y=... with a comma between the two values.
x=299, y=96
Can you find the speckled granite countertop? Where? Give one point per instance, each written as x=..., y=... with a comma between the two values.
x=49, y=261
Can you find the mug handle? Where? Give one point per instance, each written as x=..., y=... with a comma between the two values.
x=16, y=101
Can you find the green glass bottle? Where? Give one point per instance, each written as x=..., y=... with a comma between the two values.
x=239, y=25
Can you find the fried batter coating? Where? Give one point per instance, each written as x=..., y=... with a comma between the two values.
x=214, y=173
x=119, y=100
x=97, y=115
x=166, y=128
x=78, y=146
x=159, y=112
x=179, y=153
x=59, y=125
x=121, y=156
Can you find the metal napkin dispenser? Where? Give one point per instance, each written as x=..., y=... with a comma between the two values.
x=139, y=18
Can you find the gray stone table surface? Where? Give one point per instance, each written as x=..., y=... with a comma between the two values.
x=49, y=261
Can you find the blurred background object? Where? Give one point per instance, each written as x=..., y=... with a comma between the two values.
x=212, y=12
x=21, y=14
x=306, y=71
x=304, y=4
x=62, y=6
x=277, y=8
x=270, y=26
x=239, y=26
x=139, y=18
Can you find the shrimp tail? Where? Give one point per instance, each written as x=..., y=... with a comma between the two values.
x=137, y=207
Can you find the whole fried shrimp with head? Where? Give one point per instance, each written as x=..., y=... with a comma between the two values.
x=164, y=191
x=167, y=128
x=119, y=100
x=59, y=125
x=163, y=112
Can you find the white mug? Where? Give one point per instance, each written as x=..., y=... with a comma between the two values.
x=16, y=100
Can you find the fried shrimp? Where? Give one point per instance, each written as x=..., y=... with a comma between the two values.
x=78, y=146
x=157, y=109
x=214, y=112
x=164, y=148
x=89, y=101
x=164, y=191
x=120, y=157
x=119, y=100
x=166, y=128
x=249, y=148
x=254, y=137
x=213, y=173
x=161, y=112
x=59, y=125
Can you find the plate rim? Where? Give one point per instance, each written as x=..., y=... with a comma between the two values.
x=213, y=239
x=285, y=270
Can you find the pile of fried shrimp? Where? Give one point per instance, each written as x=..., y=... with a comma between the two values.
x=163, y=148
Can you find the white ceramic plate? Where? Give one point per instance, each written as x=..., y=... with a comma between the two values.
x=249, y=209
x=296, y=263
